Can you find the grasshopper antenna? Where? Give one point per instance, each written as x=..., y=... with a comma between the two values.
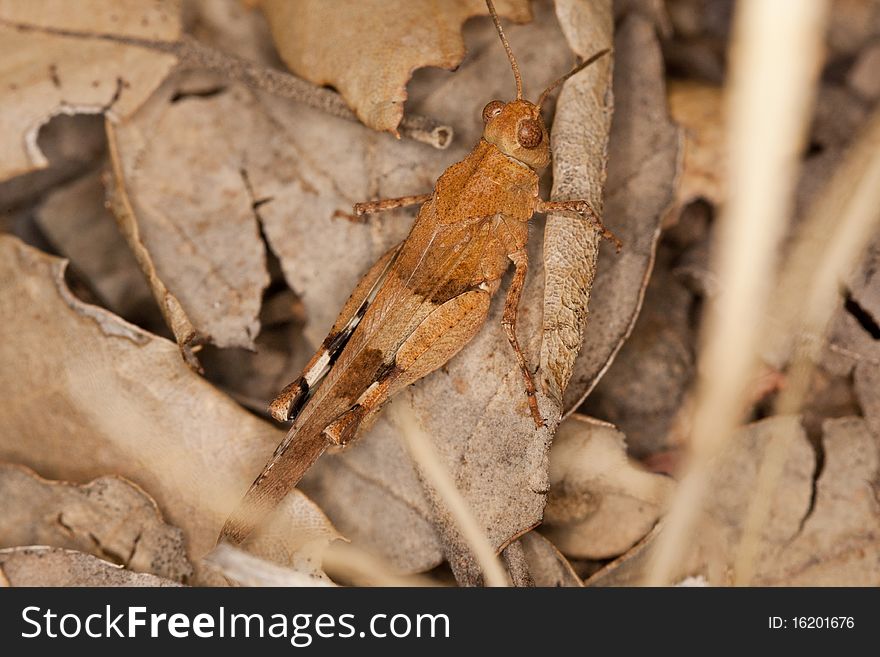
x=507, y=48
x=577, y=69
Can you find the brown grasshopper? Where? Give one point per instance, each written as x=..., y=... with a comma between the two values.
x=425, y=298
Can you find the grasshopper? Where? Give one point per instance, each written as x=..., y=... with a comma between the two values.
x=425, y=298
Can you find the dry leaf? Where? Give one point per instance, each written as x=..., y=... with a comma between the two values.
x=712, y=549
x=601, y=503
x=646, y=385
x=838, y=543
x=248, y=570
x=87, y=394
x=368, y=49
x=231, y=26
x=580, y=154
x=78, y=225
x=697, y=108
x=108, y=517
x=49, y=566
x=46, y=73
x=699, y=43
x=547, y=565
x=852, y=23
x=866, y=380
x=854, y=334
x=839, y=116
x=207, y=275
x=643, y=153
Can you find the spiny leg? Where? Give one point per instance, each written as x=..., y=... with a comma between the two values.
x=582, y=209
x=508, y=320
x=372, y=207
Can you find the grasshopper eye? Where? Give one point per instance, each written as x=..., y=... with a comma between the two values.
x=492, y=110
x=529, y=133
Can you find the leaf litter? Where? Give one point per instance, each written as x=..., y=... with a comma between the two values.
x=223, y=220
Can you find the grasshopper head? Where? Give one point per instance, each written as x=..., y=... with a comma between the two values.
x=518, y=131
x=517, y=128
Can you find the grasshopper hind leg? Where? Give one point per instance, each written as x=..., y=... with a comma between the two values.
x=290, y=401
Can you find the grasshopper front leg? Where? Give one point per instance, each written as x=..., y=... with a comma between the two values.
x=520, y=261
x=372, y=207
x=582, y=209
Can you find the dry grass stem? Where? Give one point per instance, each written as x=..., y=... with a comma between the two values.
x=834, y=235
x=418, y=443
x=774, y=64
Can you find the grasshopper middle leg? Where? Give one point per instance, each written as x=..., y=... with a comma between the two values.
x=520, y=261
x=581, y=209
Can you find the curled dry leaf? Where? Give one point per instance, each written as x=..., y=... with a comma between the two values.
x=87, y=393
x=580, y=153
x=108, y=517
x=183, y=200
x=601, y=503
x=547, y=565
x=46, y=73
x=49, y=566
x=368, y=49
x=642, y=164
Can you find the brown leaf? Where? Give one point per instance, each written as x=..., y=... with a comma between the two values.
x=580, y=153
x=711, y=552
x=840, y=116
x=87, y=394
x=839, y=540
x=601, y=503
x=854, y=331
x=188, y=213
x=546, y=564
x=861, y=77
x=46, y=73
x=642, y=161
x=50, y=566
x=248, y=570
x=368, y=49
x=109, y=517
x=646, y=385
